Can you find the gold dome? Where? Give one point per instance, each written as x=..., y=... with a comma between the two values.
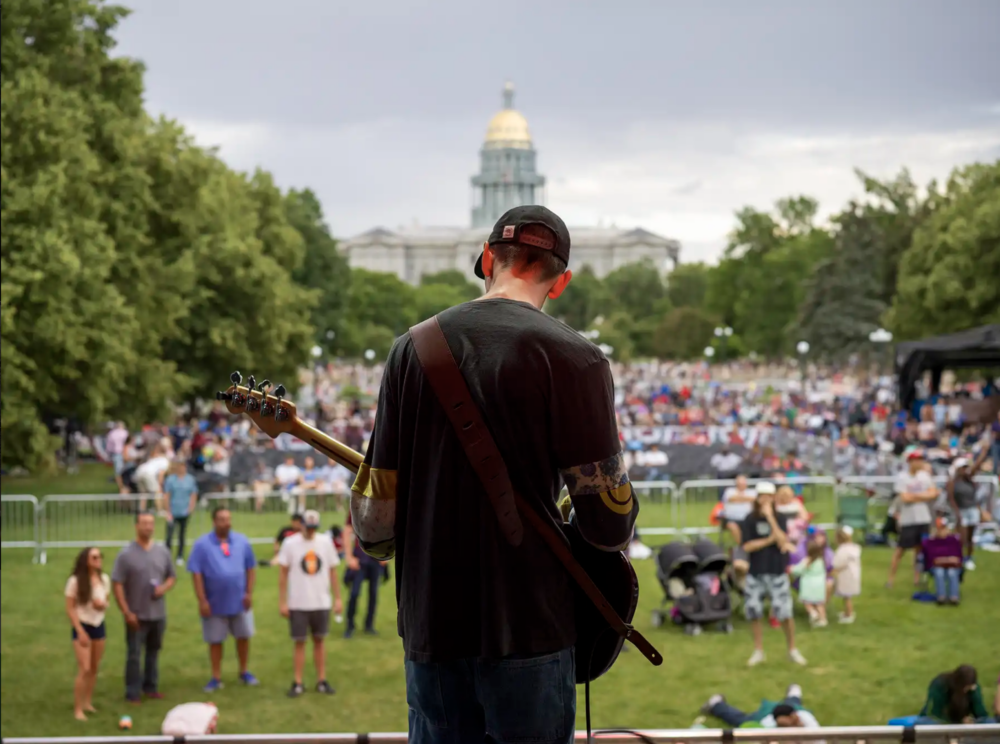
x=508, y=128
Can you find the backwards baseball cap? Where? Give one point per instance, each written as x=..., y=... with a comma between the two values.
x=765, y=487
x=530, y=225
x=915, y=454
x=311, y=519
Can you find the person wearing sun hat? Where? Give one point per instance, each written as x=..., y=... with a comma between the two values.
x=916, y=492
x=962, y=492
x=765, y=540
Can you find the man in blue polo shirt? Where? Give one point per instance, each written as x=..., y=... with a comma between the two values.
x=222, y=565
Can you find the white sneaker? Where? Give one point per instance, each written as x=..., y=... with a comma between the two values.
x=712, y=702
x=756, y=658
x=970, y=565
x=180, y=561
x=845, y=619
x=793, y=691
x=820, y=624
x=796, y=656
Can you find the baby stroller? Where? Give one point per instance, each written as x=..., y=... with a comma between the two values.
x=694, y=578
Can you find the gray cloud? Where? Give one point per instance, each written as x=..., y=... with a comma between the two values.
x=665, y=114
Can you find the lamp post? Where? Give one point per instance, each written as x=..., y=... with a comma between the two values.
x=369, y=355
x=723, y=334
x=317, y=354
x=802, y=347
x=881, y=338
x=709, y=353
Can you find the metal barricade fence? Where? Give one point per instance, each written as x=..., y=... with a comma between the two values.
x=663, y=499
x=89, y=520
x=818, y=492
x=260, y=515
x=880, y=490
x=108, y=520
x=968, y=734
x=19, y=523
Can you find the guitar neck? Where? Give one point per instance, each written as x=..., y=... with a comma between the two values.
x=327, y=445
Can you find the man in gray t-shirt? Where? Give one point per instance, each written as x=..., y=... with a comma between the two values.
x=916, y=492
x=142, y=575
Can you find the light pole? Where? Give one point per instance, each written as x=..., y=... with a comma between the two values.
x=881, y=338
x=723, y=334
x=317, y=353
x=369, y=354
x=802, y=347
x=709, y=353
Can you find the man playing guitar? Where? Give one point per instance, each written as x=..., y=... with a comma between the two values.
x=488, y=627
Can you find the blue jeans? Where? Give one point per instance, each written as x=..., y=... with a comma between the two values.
x=145, y=641
x=946, y=582
x=733, y=716
x=516, y=699
x=370, y=571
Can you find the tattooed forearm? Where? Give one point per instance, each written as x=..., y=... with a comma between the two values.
x=596, y=477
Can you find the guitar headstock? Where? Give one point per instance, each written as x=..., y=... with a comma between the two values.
x=272, y=414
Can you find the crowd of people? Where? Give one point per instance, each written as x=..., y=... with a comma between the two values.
x=839, y=422
x=778, y=554
x=223, y=568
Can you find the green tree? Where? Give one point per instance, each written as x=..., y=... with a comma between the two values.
x=720, y=289
x=683, y=333
x=895, y=208
x=842, y=300
x=687, y=285
x=637, y=289
x=379, y=305
x=246, y=312
x=442, y=290
x=616, y=331
x=323, y=267
x=75, y=258
x=453, y=278
x=758, y=287
x=583, y=300
x=430, y=299
x=948, y=277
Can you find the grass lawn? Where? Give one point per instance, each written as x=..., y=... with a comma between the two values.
x=866, y=673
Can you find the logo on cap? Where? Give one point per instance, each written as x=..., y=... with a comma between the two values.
x=508, y=231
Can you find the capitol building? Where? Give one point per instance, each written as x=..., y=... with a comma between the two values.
x=507, y=178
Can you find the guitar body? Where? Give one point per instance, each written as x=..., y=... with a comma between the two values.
x=597, y=645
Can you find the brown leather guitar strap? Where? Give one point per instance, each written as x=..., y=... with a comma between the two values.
x=449, y=385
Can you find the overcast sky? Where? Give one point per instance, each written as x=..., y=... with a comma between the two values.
x=660, y=114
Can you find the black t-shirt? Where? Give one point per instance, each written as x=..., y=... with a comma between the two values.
x=547, y=396
x=769, y=561
x=285, y=532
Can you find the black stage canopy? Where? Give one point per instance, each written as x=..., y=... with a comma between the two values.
x=977, y=348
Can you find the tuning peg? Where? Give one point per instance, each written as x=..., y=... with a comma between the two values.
x=264, y=385
x=251, y=382
x=236, y=378
x=223, y=396
x=279, y=393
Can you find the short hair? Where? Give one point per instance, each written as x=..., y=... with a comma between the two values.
x=216, y=510
x=780, y=711
x=144, y=513
x=297, y=517
x=544, y=262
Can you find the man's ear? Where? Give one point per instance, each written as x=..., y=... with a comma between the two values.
x=556, y=289
x=487, y=260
